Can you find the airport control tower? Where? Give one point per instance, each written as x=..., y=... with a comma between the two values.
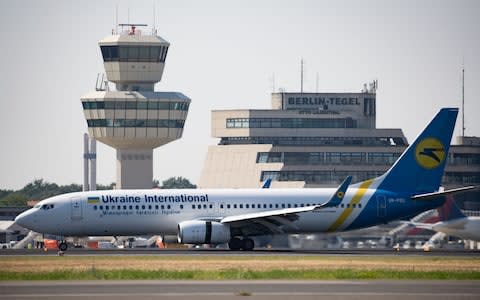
x=134, y=119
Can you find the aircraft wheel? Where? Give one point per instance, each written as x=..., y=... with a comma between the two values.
x=235, y=244
x=63, y=246
x=247, y=244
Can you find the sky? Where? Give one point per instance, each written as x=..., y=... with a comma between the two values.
x=223, y=55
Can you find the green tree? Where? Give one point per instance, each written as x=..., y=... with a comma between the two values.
x=4, y=193
x=177, y=183
x=111, y=186
x=14, y=199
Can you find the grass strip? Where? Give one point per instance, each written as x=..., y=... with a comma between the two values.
x=237, y=274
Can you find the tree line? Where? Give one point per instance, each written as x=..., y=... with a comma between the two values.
x=40, y=189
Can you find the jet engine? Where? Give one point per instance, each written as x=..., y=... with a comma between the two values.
x=203, y=232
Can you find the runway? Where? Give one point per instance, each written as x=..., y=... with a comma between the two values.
x=224, y=252
x=274, y=289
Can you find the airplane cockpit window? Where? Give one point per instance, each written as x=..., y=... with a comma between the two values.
x=47, y=206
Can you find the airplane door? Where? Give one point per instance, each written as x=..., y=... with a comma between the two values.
x=381, y=206
x=76, y=209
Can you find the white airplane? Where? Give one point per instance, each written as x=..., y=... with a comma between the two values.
x=453, y=222
x=217, y=216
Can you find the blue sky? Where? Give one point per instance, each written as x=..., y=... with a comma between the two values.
x=223, y=55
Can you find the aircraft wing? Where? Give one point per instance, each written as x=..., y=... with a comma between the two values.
x=267, y=222
x=429, y=196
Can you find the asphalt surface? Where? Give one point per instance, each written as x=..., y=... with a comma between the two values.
x=274, y=289
x=224, y=252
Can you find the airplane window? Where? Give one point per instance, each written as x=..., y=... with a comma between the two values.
x=348, y=205
x=101, y=207
x=253, y=206
x=168, y=207
x=181, y=206
x=125, y=207
x=95, y=207
x=271, y=206
x=106, y=207
x=247, y=206
x=149, y=207
x=193, y=206
x=283, y=205
x=289, y=205
x=264, y=206
x=342, y=205
x=221, y=205
x=295, y=205
x=234, y=206
x=353, y=205
x=163, y=207
x=119, y=207
x=204, y=206
x=359, y=205
x=143, y=206
x=130, y=207
x=228, y=206
x=276, y=205
x=113, y=206
x=136, y=207
x=301, y=205
x=241, y=205
x=211, y=205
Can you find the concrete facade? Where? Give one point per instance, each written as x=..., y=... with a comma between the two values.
x=315, y=140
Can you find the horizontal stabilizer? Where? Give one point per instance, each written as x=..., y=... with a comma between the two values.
x=337, y=197
x=429, y=196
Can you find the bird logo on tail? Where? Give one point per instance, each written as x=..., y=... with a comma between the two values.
x=430, y=153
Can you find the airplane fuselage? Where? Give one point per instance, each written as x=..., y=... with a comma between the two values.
x=138, y=212
x=466, y=228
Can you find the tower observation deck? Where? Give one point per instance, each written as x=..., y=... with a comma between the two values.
x=134, y=119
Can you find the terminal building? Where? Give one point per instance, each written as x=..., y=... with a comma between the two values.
x=134, y=119
x=316, y=140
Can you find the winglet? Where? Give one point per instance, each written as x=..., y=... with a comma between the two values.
x=337, y=197
x=266, y=184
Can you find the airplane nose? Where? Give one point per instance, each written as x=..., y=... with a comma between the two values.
x=25, y=219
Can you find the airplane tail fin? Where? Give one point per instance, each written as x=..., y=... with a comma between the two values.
x=449, y=211
x=420, y=168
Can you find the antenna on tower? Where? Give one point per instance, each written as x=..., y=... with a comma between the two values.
x=463, y=99
x=116, y=19
x=154, y=13
x=301, y=75
x=273, y=82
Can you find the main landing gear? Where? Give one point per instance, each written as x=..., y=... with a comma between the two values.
x=62, y=246
x=245, y=244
